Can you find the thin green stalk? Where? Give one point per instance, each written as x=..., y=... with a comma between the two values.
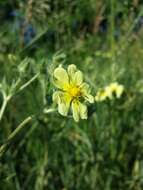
x=7, y=98
x=12, y=136
x=25, y=138
x=34, y=40
x=16, y=131
x=3, y=107
x=29, y=82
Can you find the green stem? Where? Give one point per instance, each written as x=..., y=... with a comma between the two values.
x=28, y=82
x=7, y=98
x=12, y=136
x=16, y=131
x=3, y=107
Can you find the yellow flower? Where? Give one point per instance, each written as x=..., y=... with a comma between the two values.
x=101, y=96
x=72, y=93
x=109, y=92
x=114, y=89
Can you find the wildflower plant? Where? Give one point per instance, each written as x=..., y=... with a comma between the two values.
x=72, y=92
x=103, y=152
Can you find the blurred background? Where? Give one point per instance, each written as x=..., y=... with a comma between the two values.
x=105, y=40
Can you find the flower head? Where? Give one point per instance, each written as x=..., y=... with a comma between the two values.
x=114, y=89
x=72, y=92
x=101, y=96
x=110, y=91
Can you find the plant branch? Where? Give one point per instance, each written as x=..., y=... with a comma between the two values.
x=28, y=82
x=12, y=136
x=7, y=98
x=3, y=107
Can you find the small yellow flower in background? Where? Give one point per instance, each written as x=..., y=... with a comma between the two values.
x=114, y=89
x=110, y=91
x=72, y=92
x=101, y=96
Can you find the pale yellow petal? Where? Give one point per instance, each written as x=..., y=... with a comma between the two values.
x=63, y=108
x=113, y=85
x=57, y=96
x=79, y=110
x=61, y=84
x=78, y=78
x=61, y=75
x=86, y=92
x=63, y=101
x=89, y=98
x=101, y=96
x=75, y=110
x=83, y=111
x=108, y=90
x=64, y=104
x=72, y=69
x=119, y=91
x=85, y=88
x=114, y=88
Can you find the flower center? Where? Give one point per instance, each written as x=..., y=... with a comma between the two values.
x=75, y=92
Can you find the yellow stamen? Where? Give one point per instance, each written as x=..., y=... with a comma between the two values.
x=74, y=91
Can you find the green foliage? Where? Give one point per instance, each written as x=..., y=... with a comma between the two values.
x=40, y=149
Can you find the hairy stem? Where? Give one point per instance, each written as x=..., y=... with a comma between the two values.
x=12, y=136
x=15, y=133
x=7, y=98
x=29, y=82
x=3, y=107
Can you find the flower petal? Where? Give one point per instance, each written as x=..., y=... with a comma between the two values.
x=61, y=77
x=101, y=95
x=72, y=69
x=83, y=111
x=63, y=108
x=86, y=92
x=57, y=96
x=108, y=91
x=75, y=110
x=85, y=88
x=89, y=98
x=119, y=91
x=60, y=84
x=78, y=78
x=79, y=110
x=63, y=101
